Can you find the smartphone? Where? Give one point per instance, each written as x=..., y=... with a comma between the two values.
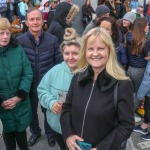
x=84, y=145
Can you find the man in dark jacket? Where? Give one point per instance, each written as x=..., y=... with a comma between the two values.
x=43, y=52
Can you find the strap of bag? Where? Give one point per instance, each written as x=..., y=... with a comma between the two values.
x=115, y=102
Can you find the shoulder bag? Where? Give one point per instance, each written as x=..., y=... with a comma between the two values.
x=127, y=144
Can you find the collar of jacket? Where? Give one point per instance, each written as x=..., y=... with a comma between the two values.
x=4, y=49
x=104, y=80
x=33, y=39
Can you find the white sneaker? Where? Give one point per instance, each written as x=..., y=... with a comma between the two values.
x=137, y=119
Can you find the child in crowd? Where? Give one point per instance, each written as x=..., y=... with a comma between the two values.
x=23, y=7
x=45, y=6
x=144, y=91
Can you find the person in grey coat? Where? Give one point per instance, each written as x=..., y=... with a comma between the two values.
x=101, y=11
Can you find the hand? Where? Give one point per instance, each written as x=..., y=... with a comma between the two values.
x=10, y=103
x=71, y=142
x=57, y=107
x=94, y=149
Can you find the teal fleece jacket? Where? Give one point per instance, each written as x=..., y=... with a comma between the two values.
x=53, y=85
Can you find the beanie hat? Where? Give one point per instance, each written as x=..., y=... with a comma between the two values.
x=130, y=16
x=102, y=10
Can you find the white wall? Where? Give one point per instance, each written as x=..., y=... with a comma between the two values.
x=142, y=1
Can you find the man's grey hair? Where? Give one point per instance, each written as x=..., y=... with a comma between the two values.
x=33, y=9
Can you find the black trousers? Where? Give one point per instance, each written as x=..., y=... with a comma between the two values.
x=11, y=138
x=147, y=110
x=34, y=125
x=60, y=140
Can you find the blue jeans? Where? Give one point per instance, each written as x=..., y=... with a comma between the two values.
x=34, y=126
x=7, y=14
x=148, y=17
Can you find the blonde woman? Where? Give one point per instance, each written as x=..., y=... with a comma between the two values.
x=88, y=113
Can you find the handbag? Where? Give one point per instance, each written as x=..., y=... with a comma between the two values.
x=3, y=8
x=126, y=144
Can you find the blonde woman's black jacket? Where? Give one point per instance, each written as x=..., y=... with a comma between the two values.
x=90, y=113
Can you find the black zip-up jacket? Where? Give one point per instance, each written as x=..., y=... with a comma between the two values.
x=90, y=113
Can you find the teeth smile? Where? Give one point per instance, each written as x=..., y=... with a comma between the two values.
x=96, y=58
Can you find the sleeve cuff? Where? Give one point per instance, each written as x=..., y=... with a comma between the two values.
x=22, y=94
x=1, y=100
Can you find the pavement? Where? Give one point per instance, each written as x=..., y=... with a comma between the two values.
x=42, y=144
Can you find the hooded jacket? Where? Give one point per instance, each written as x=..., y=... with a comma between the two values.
x=89, y=110
x=62, y=19
x=44, y=9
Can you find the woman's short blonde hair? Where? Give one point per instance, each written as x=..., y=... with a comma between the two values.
x=112, y=66
x=5, y=24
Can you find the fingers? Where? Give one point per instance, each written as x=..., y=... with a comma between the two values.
x=9, y=104
x=71, y=142
x=57, y=107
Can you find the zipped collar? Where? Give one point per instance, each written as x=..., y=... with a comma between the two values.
x=33, y=39
x=104, y=80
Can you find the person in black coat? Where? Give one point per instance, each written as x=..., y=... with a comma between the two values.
x=117, y=9
x=88, y=113
x=64, y=14
x=87, y=11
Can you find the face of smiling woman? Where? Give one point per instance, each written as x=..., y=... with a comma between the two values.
x=71, y=56
x=97, y=54
x=4, y=37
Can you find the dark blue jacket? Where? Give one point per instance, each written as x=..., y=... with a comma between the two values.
x=43, y=56
x=134, y=60
x=122, y=54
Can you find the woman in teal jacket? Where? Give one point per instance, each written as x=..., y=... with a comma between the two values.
x=15, y=81
x=54, y=86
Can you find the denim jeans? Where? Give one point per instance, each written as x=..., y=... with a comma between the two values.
x=7, y=14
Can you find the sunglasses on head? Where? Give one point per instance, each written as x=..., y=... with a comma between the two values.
x=55, y=2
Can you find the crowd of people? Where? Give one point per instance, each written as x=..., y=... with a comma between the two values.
x=76, y=79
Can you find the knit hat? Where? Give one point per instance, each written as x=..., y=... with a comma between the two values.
x=129, y=16
x=102, y=10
